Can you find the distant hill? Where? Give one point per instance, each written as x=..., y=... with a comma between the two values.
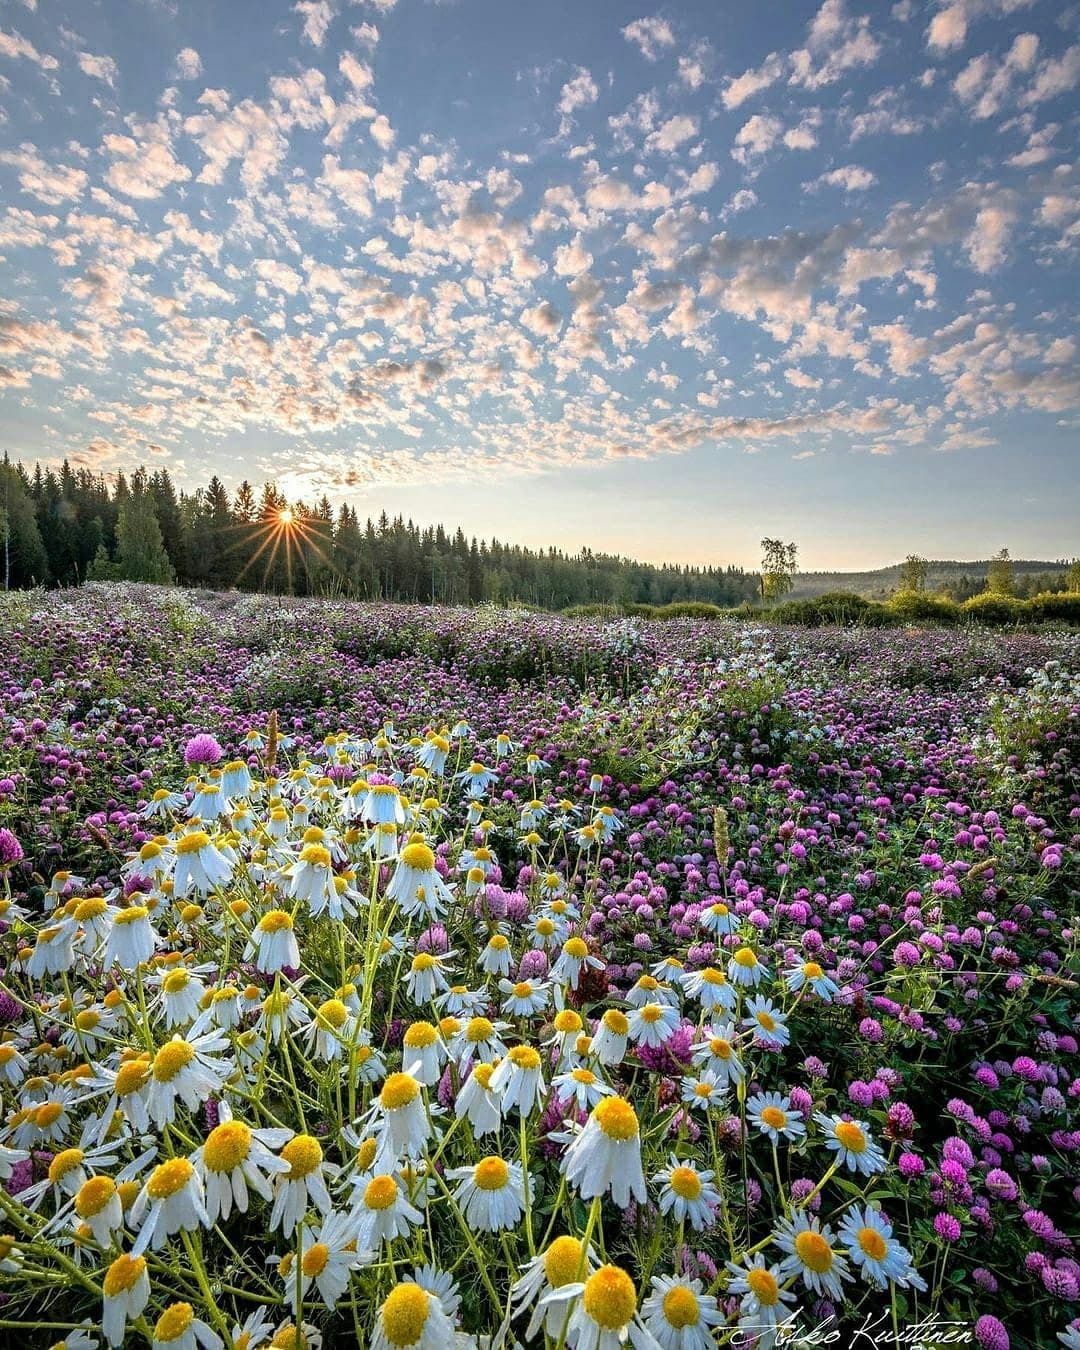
x=958, y=579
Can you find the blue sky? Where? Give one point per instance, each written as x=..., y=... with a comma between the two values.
x=657, y=280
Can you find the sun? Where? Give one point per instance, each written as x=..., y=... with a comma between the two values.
x=285, y=516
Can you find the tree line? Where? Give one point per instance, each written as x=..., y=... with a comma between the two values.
x=62, y=527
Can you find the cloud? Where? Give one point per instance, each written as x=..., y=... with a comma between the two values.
x=16, y=47
x=650, y=35
x=572, y=259
x=755, y=137
x=738, y=89
x=1054, y=77
x=849, y=178
x=143, y=164
x=836, y=43
x=52, y=184
x=984, y=84
x=576, y=93
x=99, y=67
x=948, y=28
x=543, y=319
x=317, y=16
x=382, y=133
x=188, y=64
x=988, y=241
x=672, y=133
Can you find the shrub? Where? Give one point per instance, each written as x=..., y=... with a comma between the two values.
x=1064, y=608
x=914, y=607
x=994, y=610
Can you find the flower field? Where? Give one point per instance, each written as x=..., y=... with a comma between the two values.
x=397, y=977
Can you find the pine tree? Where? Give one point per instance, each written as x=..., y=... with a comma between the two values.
x=141, y=553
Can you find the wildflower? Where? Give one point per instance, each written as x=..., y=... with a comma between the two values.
x=179, y=1329
x=479, y=1039
x=876, y=1254
x=331, y=1028
x=680, y=1315
x=609, y=1043
x=399, y=1120
x=851, y=1142
x=773, y=1115
x=705, y=1091
x=687, y=1193
x=518, y=1080
x=476, y=778
x=810, y=973
x=606, y=1156
x=653, y=1024
x=524, y=998
x=745, y=969
x=98, y=1205
x=188, y=1070
x=171, y=1200
x=126, y=1290
x=54, y=950
x=413, y=1318
x=604, y=1312
x=416, y=885
x=565, y=1262
x=719, y=919
x=580, y=1086
x=491, y=1194
x=312, y=878
x=328, y=1257
x=382, y=1211
x=234, y=1157
x=574, y=958
x=762, y=1300
x=303, y=1183
x=426, y=978
x=495, y=959
x=711, y=988
x=477, y=1101
x=767, y=1022
x=811, y=1255
x=718, y=1054
x=425, y=1052
x=200, y=867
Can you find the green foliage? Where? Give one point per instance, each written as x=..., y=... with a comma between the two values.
x=779, y=563
x=1063, y=607
x=913, y=573
x=23, y=560
x=915, y=607
x=995, y=609
x=999, y=575
x=141, y=553
x=839, y=609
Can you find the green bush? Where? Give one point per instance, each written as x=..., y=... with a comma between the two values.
x=995, y=610
x=1062, y=608
x=917, y=607
x=838, y=609
x=688, y=609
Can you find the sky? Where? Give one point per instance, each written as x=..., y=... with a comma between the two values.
x=659, y=281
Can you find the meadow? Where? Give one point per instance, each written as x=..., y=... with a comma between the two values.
x=410, y=977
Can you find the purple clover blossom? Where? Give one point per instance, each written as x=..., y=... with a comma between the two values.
x=11, y=851
x=203, y=749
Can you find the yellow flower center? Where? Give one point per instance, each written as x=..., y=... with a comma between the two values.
x=133, y=914
x=93, y=1195
x=482, y=1073
x=176, y=981
x=423, y=961
x=170, y=1059
x=315, y=1259
x=562, y=1261
x=617, y=1118
x=575, y=948
x=123, y=1275
x=499, y=943
x=404, y=1314
x=420, y=1035
x=686, y=1183
x=525, y=1057
x=475, y=875
x=130, y=1077
x=585, y=1076
x=65, y=1161
x=227, y=1145
x=419, y=857
x=491, y=1174
x=380, y=1192
x=652, y=1013
x=288, y=1338
x=616, y=1022
x=399, y=1090
x=303, y=1154
x=194, y=842
x=812, y=970
x=545, y=927
x=764, y=1286
x=568, y=1022
x=168, y=1178
x=276, y=921
x=90, y=909
x=365, y=1154
x=711, y=976
x=745, y=957
x=610, y=1298
x=48, y=1114
x=851, y=1136
x=814, y=1252
x=720, y=1048
x=765, y=1020
x=681, y=1307
x=332, y=1015
x=872, y=1243
x=479, y=1029
x=772, y=1115
x=174, y=1322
